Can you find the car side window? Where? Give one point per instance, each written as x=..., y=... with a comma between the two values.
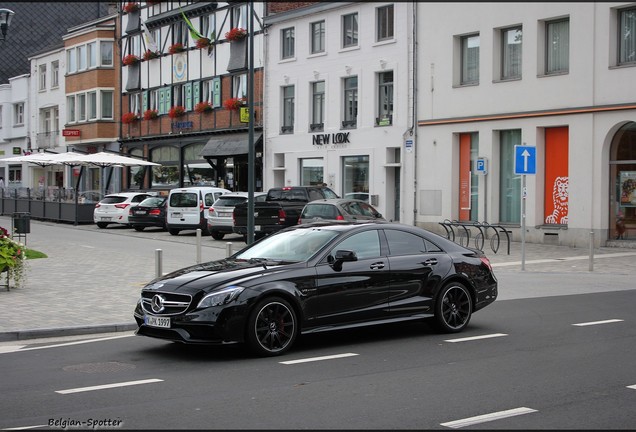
x=209, y=199
x=365, y=244
x=431, y=247
x=404, y=243
x=314, y=194
x=367, y=210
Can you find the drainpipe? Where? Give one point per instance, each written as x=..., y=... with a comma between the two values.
x=414, y=121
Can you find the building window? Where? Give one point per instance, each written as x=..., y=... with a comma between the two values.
x=468, y=177
x=180, y=33
x=81, y=107
x=92, y=105
x=81, y=58
x=0, y=116
x=627, y=36
x=92, y=55
x=134, y=45
x=317, y=106
x=208, y=27
x=55, y=74
x=42, y=74
x=350, y=102
x=470, y=59
x=153, y=99
x=178, y=96
x=106, y=51
x=287, y=39
x=384, y=23
x=557, y=46
x=239, y=86
x=355, y=174
x=312, y=172
x=107, y=104
x=385, y=99
x=71, y=61
x=350, y=30
x=70, y=109
x=288, y=110
x=318, y=37
x=509, y=182
x=239, y=17
x=511, y=53
x=18, y=118
x=134, y=103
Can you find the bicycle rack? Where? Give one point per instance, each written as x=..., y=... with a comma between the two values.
x=465, y=230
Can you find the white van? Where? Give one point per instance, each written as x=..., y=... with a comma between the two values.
x=188, y=208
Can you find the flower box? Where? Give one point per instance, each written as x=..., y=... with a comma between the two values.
x=129, y=118
x=131, y=7
x=203, y=107
x=234, y=104
x=12, y=258
x=130, y=59
x=203, y=43
x=149, y=55
x=151, y=114
x=176, y=111
x=236, y=34
x=176, y=48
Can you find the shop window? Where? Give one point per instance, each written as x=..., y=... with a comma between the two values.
x=312, y=172
x=509, y=182
x=355, y=174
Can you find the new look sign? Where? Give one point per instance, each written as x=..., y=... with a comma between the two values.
x=334, y=138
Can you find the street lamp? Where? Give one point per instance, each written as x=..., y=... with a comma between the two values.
x=5, y=19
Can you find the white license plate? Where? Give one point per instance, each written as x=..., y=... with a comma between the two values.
x=154, y=321
x=176, y=215
x=225, y=214
x=257, y=227
x=140, y=212
x=105, y=218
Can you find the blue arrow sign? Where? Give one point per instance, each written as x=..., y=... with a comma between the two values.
x=525, y=159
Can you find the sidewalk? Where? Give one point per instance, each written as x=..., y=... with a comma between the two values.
x=85, y=288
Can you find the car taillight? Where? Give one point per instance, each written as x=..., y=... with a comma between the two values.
x=340, y=217
x=486, y=262
x=211, y=211
x=155, y=212
x=98, y=205
x=201, y=206
x=121, y=206
x=281, y=216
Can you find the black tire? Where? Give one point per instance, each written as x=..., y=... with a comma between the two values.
x=138, y=228
x=217, y=235
x=453, y=309
x=272, y=327
x=173, y=231
x=102, y=224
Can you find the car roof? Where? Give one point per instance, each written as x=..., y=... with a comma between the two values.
x=335, y=201
x=128, y=194
x=242, y=194
x=200, y=188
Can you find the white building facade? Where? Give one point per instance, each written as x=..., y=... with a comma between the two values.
x=554, y=76
x=339, y=100
x=14, y=128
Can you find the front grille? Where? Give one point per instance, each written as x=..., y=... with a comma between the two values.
x=169, y=303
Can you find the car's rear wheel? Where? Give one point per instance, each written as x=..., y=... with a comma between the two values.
x=272, y=327
x=138, y=228
x=102, y=224
x=217, y=235
x=173, y=231
x=453, y=308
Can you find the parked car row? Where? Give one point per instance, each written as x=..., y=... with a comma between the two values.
x=212, y=210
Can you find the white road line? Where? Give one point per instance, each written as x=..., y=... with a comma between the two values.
x=27, y=427
x=488, y=417
x=107, y=386
x=313, y=359
x=573, y=258
x=16, y=348
x=632, y=387
x=466, y=339
x=597, y=322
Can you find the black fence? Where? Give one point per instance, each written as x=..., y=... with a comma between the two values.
x=465, y=232
x=62, y=205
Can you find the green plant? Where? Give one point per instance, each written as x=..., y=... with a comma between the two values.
x=12, y=258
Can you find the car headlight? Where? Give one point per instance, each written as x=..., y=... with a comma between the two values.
x=219, y=298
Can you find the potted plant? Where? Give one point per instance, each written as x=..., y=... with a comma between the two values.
x=234, y=104
x=203, y=107
x=151, y=114
x=12, y=258
x=176, y=48
x=129, y=117
x=149, y=55
x=176, y=111
x=131, y=7
x=130, y=59
x=236, y=34
x=203, y=42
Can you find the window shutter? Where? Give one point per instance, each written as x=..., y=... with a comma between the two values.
x=144, y=101
x=196, y=91
x=188, y=96
x=162, y=98
x=216, y=89
x=168, y=99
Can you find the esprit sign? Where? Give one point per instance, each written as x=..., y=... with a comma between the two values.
x=70, y=132
x=334, y=138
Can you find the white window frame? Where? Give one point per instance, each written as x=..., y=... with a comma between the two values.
x=385, y=23
x=317, y=105
x=385, y=95
x=70, y=109
x=511, y=52
x=288, y=96
x=81, y=107
x=350, y=93
x=42, y=77
x=239, y=86
x=91, y=105
x=92, y=54
x=55, y=74
x=18, y=110
x=626, y=49
x=103, y=96
x=561, y=47
x=350, y=28
x=288, y=42
x=82, y=59
x=317, y=37
x=71, y=60
x=106, y=61
x=465, y=77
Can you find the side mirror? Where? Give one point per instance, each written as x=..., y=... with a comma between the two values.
x=342, y=255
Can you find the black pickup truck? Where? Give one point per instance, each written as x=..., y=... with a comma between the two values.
x=281, y=209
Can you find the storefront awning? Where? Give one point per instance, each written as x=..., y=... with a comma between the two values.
x=229, y=145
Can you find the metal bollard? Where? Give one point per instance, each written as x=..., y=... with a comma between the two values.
x=228, y=249
x=158, y=263
x=198, y=245
x=591, y=266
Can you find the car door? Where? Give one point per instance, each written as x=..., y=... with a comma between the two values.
x=417, y=267
x=358, y=290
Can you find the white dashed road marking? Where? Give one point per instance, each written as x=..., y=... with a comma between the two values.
x=472, y=338
x=488, y=417
x=313, y=359
x=597, y=322
x=107, y=386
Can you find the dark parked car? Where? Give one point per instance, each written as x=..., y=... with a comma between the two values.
x=151, y=212
x=352, y=210
x=316, y=277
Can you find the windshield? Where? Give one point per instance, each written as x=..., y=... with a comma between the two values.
x=294, y=245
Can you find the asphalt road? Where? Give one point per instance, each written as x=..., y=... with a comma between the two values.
x=558, y=362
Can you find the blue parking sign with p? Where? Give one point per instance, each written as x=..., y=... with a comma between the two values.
x=525, y=159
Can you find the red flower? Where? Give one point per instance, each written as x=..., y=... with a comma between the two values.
x=130, y=59
x=131, y=7
x=151, y=114
x=236, y=34
x=148, y=55
x=129, y=118
x=202, y=107
x=203, y=43
x=176, y=48
x=176, y=111
x=234, y=104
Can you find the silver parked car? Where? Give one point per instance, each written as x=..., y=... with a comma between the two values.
x=351, y=210
x=220, y=220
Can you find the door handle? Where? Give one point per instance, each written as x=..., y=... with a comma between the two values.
x=378, y=265
x=432, y=261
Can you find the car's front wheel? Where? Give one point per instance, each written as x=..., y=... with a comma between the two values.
x=102, y=224
x=453, y=308
x=217, y=235
x=272, y=327
x=173, y=231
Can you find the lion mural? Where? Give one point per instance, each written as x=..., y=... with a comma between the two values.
x=560, y=199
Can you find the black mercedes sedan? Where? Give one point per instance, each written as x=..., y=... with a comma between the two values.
x=317, y=277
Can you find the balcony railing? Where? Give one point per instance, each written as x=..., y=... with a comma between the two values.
x=48, y=139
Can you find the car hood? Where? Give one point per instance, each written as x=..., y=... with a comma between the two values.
x=210, y=275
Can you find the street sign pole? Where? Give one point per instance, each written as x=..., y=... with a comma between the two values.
x=525, y=163
x=523, y=222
